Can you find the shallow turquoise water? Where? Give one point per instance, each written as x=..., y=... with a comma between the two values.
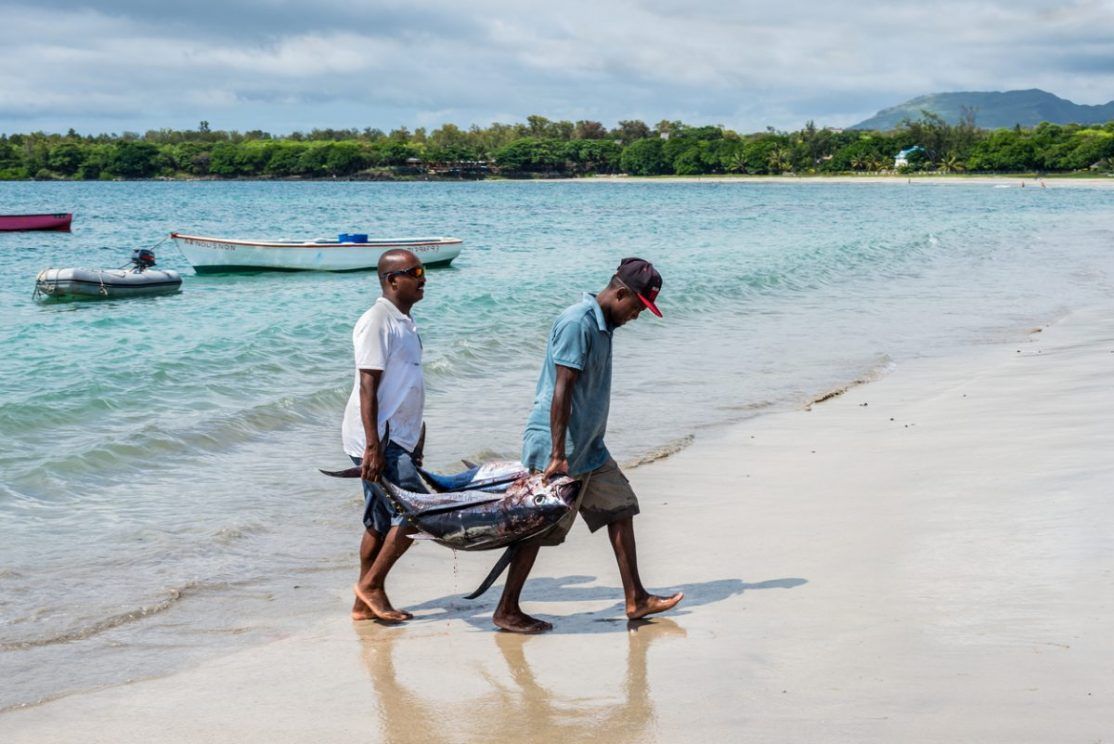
x=159, y=454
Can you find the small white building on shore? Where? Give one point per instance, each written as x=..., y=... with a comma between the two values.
x=902, y=158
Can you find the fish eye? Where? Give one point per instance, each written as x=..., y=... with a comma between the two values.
x=539, y=498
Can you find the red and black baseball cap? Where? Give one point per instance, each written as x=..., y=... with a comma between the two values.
x=642, y=279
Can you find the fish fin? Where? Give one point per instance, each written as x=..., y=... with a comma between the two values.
x=496, y=571
x=420, y=536
x=469, y=464
x=346, y=473
x=419, y=449
x=455, y=482
x=430, y=480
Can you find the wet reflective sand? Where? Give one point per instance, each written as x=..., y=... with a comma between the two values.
x=518, y=697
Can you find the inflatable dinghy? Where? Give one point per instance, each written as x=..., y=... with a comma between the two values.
x=138, y=280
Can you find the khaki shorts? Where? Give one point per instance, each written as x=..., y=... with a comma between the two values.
x=605, y=497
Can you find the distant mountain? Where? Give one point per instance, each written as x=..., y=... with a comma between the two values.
x=993, y=110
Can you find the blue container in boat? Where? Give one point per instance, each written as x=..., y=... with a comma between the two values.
x=343, y=238
x=352, y=238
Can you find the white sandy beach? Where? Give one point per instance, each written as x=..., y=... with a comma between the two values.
x=912, y=179
x=926, y=558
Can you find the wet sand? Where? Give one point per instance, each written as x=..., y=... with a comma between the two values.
x=924, y=558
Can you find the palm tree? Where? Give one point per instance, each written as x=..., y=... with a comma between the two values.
x=779, y=158
x=951, y=163
x=735, y=163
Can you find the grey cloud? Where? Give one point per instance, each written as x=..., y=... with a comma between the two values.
x=1089, y=62
x=280, y=65
x=262, y=19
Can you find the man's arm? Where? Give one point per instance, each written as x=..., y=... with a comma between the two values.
x=559, y=412
x=372, y=466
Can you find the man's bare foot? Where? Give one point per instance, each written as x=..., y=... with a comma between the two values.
x=520, y=622
x=361, y=611
x=379, y=606
x=651, y=604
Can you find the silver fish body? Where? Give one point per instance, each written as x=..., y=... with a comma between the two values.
x=483, y=520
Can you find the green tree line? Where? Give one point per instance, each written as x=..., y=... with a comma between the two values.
x=544, y=148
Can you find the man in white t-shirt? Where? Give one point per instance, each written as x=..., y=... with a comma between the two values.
x=382, y=427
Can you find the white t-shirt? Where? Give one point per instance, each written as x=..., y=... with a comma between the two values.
x=387, y=340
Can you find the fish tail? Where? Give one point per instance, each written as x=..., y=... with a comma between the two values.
x=496, y=571
x=346, y=473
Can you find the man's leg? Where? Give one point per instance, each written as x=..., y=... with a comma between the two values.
x=610, y=500
x=508, y=615
x=399, y=468
x=369, y=549
x=377, y=526
x=371, y=588
x=640, y=603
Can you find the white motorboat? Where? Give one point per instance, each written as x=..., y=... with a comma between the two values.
x=138, y=279
x=353, y=253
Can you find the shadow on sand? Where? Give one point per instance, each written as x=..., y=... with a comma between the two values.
x=579, y=589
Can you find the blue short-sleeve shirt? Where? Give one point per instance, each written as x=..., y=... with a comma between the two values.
x=580, y=339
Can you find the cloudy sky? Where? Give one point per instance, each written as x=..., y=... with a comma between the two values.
x=280, y=65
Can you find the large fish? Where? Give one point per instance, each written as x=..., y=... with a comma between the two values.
x=490, y=506
x=484, y=520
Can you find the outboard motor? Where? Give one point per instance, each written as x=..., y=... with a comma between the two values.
x=143, y=258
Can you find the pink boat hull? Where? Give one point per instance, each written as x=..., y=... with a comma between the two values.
x=60, y=221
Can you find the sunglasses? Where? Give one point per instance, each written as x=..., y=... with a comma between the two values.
x=417, y=272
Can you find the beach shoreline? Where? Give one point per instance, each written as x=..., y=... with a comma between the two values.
x=920, y=558
x=1028, y=179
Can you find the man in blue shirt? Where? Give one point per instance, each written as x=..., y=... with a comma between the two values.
x=564, y=434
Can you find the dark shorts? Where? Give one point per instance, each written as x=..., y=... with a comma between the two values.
x=605, y=497
x=379, y=513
